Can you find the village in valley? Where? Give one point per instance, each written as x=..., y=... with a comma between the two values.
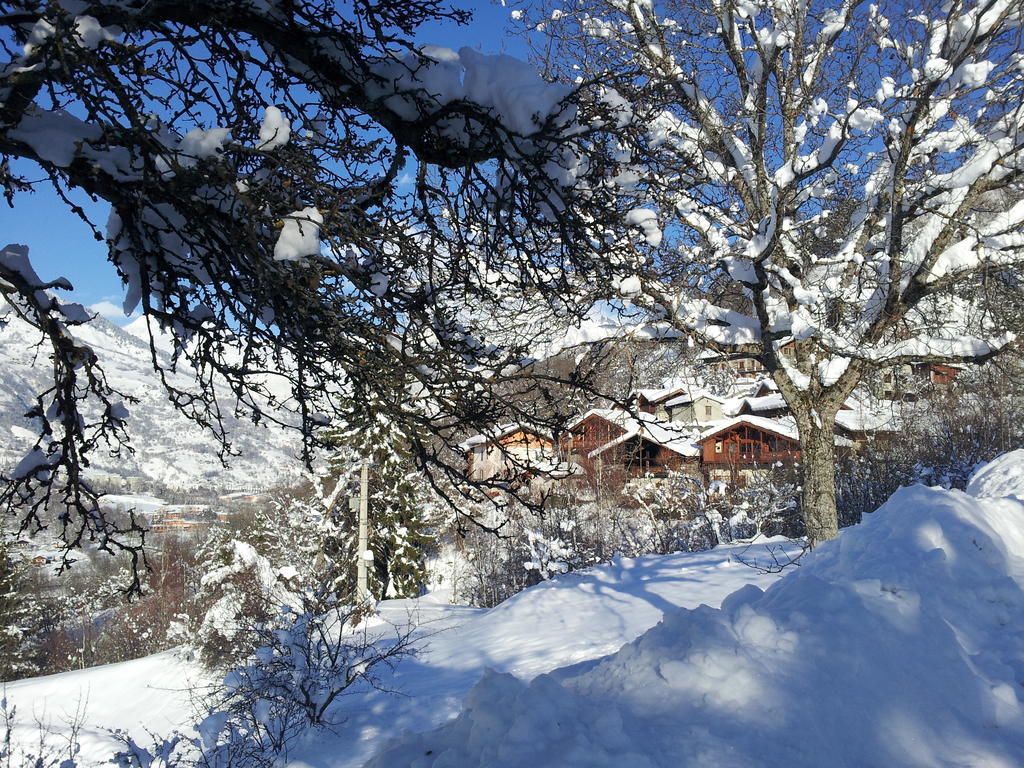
x=724, y=435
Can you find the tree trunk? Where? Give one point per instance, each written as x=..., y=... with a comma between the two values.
x=818, y=476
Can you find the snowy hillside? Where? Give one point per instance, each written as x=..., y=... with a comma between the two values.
x=576, y=618
x=899, y=644
x=169, y=448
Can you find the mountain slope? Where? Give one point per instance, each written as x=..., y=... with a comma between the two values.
x=170, y=449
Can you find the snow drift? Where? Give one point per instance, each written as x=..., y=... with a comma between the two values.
x=900, y=644
x=1003, y=476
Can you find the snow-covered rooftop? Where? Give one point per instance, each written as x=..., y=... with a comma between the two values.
x=863, y=419
x=692, y=397
x=785, y=427
x=764, y=403
x=500, y=431
x=646, y=426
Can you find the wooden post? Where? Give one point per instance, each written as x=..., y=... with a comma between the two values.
x=362, y=582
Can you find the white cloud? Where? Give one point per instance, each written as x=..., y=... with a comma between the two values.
x=111, y=311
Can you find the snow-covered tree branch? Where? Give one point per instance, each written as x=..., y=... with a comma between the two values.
x=305, y=201
x=826, y=187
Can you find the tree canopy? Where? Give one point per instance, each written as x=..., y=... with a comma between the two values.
x=305, y=202
x=313, y=207
x=827, y=187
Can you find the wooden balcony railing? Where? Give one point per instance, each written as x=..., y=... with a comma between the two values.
x=757, y=457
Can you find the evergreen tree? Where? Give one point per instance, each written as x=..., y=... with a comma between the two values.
x=19, y=616
x=399, y=502
x=10, y=631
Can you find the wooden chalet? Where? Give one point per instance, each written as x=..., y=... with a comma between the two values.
x=906, y=382
x=697, y=408
x=653, y=401
x=741, y=365
x=941, y=374
x=671, y=429
x=863, y=427
x=769, y=406
x=681, y=404
x=507, y=453
x=749, y=441
x=603, y=440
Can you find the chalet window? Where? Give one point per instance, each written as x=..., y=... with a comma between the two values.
x=733, y=447
x=707, y=410
x=718, y=446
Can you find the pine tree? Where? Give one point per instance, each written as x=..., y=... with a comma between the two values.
x=399, y=504
x=15, y=616
x=399, y=537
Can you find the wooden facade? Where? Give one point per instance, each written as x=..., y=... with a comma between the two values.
x=746, y=444
x=609, y=446
x=508, y=455
x=907, y=382
x=588, y=435
x=647, y=404
x=636, y=455
x=941, y=374
x=744, y=365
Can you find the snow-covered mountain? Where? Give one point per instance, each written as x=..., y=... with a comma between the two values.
x=169, y=449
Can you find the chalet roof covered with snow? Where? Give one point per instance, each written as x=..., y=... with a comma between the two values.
x=783, y=427
x=863, y=419
x=500, y=431
x=644, y=426
x=660, y=394
x=757, y=404
x=692, y=397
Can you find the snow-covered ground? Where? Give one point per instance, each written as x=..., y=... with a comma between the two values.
x=900, y=644
x=576, y=618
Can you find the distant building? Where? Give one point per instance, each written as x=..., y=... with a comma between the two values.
x=747, y=443
x=679, y=427
x=506, y=454
x=640, y=444
x=698, y=408
x=173, y=520
x=906, y=382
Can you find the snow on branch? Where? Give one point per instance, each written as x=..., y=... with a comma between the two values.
x=79, y=413
x=846, y=178
x=312, y=207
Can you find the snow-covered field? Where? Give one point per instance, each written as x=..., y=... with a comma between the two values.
x=901, y=644
x=576, y=618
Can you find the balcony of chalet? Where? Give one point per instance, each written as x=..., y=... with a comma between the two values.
x=749, y=440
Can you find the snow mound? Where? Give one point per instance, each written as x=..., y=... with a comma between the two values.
x=902, y=643
x=1003, y=476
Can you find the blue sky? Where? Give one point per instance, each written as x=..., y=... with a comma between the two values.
x=61, y=245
